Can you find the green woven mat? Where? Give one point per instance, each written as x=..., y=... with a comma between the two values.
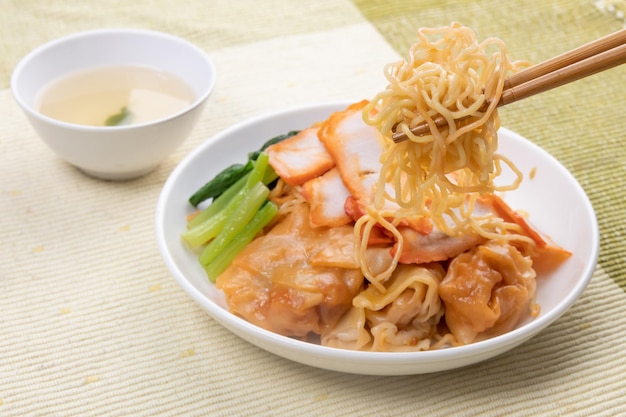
x=581, y=124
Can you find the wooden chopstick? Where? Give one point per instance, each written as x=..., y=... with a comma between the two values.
x=568, y=58
x=591, y=58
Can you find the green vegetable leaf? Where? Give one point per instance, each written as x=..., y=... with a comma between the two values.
x=123, y=117
x=227, y=254
x=237, y=221
x=229, y=176
x=220, y=183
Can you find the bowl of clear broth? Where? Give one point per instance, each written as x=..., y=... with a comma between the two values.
x=114, y=102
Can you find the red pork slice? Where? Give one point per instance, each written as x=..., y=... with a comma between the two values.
x=355, y=148
x=300, y=158
x=423, y=246
x=420, y=247
x=546, y=254
x=433, y=247
x=327, y=196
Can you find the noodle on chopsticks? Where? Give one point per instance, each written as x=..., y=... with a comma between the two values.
x=441, y=174
x=448, y=73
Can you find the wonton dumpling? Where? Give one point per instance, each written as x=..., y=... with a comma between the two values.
x=404, y=317
x=486, y=291
x=291, y=280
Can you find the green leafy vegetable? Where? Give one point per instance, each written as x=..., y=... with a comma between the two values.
x=258, y=173
x=233, y=219
x=226, y=256
x=233, y=173
x=117, y=119
x=239, y=211
x=219, y=203
x=208, y=229
x=220, y=183
x=236, y=222
x=212, y=223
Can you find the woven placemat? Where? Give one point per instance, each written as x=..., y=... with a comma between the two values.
x=92, y=323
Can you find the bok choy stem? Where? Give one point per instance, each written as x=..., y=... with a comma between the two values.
x=236, y=222
x=226, y=256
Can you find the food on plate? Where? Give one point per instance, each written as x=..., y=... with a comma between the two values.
x=337, y=234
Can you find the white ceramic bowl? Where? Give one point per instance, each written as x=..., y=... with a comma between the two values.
x=119, y=152
x=555, y=201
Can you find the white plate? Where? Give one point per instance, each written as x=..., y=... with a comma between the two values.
x=555, y=201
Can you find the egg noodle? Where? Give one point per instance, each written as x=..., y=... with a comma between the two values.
x=441, y=174
x=285, y=197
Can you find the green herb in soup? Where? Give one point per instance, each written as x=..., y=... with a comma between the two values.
x=124, y=117
x=113, y=96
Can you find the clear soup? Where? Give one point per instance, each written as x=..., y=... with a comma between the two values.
x=114, y=96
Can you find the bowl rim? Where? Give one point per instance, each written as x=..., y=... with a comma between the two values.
x=238, y=325
x=31, y=55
